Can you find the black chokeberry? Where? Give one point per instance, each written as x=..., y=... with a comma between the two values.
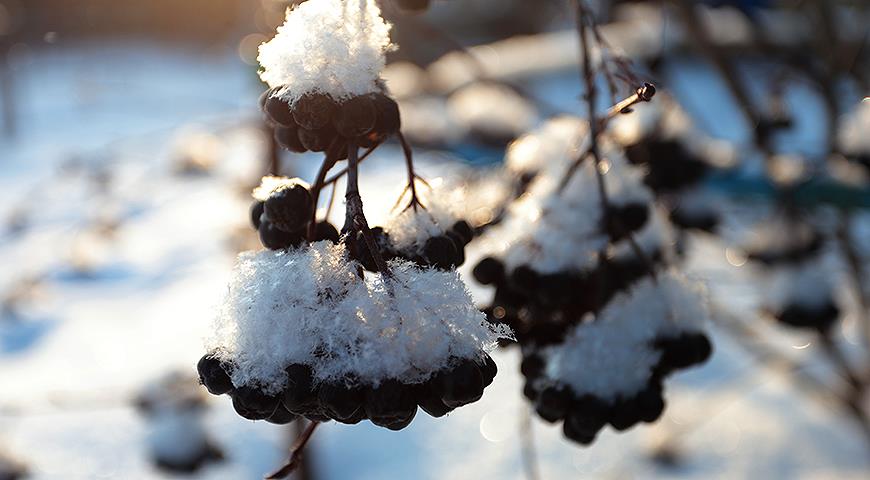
x=553, y=403
x=625, y=219
x=340, y=402
x=213, y=375
x=524, y=277
x=257, y=209
x=624, y=414
x=326, y=231
x=253, y=404
x=464, y=230
x=288, y=138
x=489, y=370
x=299, y=395
x=281, y=416
x=459, y=247
x=440, y=252
x=587, y=416
x=277, y=110
x=650, y=404
x=355, y=117
x=314, y=111
x=461, y=385
x=289, y=207
x=274, y=238
x=317, y=140
x=388, y=119
x=489, y=271
x=532, y=366
x=430, y=401
x=683, y=351
x=391, y=405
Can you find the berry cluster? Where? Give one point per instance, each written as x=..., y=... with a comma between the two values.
x=563, y=382
x=791, y=253
x=316, y=121
x=177, y=439
x=391, y=404
x=585, y=414
x=444, y=251
x=282, y=213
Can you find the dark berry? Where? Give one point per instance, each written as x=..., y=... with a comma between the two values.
x=532, y=366
x=317, y=140
x=281, y=416
x=356, y=117
x=459, y=246
x=326, y=231
x=299, y=395
x=213, y=375
x=821, y=318
x=274, y=238
x=625, y=414
x=683, y=351
x=388, y=119
x=289, y=207
x=553, y=403
x=277, y=110
x=340, y=402
x=429, y=400
x=253, y=404
x=586, y=417
x=440, y=252
x=489, y=271
x=524, y=277
x=461, y=385
x=489, y=370
x=288, y=138
x=314, y=111
x=650, y=404
x=626, y=219
x=391, y=405
x=256, y=212
x=464, y=230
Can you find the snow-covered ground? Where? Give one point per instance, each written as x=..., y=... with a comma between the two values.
x=120, y=260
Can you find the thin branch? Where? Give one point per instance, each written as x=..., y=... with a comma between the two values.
x=295, y=453
x=343, y=171
x=332, y=156
x=527, y=449
x=355, y=219
x=412, y=177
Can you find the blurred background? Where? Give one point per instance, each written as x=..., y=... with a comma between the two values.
x=130, y=138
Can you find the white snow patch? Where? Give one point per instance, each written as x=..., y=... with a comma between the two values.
x=853, y=135
x=553, y=144
x=492, y=109
x=309, y=306
x=613, y=355
x=271, y=184
x=334, y=47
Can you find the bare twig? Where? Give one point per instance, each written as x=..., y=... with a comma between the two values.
x=527, y=449
x=412, y=177
x=355, y=219
x=332, y=156
x=343, y=171
x=295, y=453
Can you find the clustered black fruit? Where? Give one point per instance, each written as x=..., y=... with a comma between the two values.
x=445, y=252
x=821, y=317
x=282, y=219
x=583, y=416
x=540, y=308
x=315, y=121
x=392, y=404
x=671, y=167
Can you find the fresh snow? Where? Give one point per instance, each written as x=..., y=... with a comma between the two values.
x=333, y=47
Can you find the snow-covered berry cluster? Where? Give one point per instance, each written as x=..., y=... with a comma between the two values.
x=611, y=370
x=791, y=252
x=300, y=333
x=282, y=212
x=661, y=137
x=323, y=70
x=580, y=270
x=177, y=439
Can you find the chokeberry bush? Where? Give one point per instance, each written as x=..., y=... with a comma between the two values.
x=577, y=238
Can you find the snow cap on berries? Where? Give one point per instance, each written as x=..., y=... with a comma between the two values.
x=333, y=47
x=309, y=306
x=614, y=355
x=270, y=184
x=552, y=145
x=562, y=231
